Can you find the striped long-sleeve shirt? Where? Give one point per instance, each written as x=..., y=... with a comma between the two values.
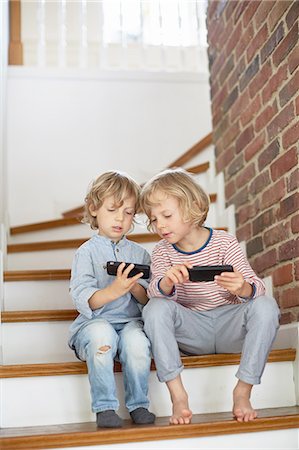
x=221, y=248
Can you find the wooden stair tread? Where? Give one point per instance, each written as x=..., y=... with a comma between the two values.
x=84, y=434
x=37, y=275
x=64, y=222
x=79, y=368
x=46, y=315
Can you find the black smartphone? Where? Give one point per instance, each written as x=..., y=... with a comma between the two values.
x=112, y=267
x=207, y=273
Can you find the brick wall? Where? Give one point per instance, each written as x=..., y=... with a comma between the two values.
x=254, y=75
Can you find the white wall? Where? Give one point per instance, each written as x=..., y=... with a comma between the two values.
x=66, y=127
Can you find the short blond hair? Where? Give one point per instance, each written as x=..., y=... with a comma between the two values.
x=193, y=201
x=110, y=184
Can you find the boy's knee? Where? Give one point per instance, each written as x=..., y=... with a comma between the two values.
x=155, y=309
x=266, y=309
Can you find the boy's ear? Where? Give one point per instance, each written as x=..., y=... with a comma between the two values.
x=92, y=210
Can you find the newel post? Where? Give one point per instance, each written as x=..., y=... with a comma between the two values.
x=15, y=44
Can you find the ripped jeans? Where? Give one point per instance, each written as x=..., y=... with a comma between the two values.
x=98, y=343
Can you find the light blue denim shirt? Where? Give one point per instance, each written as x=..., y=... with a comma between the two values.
x=89, y=275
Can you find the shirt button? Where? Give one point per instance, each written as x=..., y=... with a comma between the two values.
x=117, y=250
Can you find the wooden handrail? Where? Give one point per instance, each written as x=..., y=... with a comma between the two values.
x=189, y=154
x=15, y=53
x=193, y=151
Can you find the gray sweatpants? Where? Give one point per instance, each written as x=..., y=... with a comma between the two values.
x=248, y=327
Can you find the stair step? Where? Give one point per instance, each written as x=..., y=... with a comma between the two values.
x=72, y=243
x=38, y=316
x=193, y=151
x=64, y=222
x=79, y=368
x=85, y=434
x=30, y=275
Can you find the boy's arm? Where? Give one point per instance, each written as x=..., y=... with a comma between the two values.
x=139, y=292
x=158, y=287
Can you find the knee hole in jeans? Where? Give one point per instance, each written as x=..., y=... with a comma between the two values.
x=104, y=349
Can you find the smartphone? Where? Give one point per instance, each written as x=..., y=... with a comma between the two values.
x=112, y=267
x=207, y=273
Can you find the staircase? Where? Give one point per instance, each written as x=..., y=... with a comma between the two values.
x=45, y=400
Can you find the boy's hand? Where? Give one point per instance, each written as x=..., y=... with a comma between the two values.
x=177, y=274
x=234, y=283
x=122, y=284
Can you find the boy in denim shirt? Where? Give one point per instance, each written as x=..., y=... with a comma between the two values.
x=109, y=322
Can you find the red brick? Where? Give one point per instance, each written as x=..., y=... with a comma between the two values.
x=241, y=197
x=266, y=116
x=293, y=59
x=226, y=69
x=286, y=45
x=293, y=180
x=230, y=9
x=249, y=12
x=244, y=40
x=251, y=71
x=295, y=224
x=297, y=106
x=254, y=246
x=265, y=261
x=239, y=105
x=290, y=297
x=272, y=42
x=255, y=146
x=282, y=275
x=296, y=265
x=220, y=129
x=249, y=113
x=280, y=121
x=233, y=40
x=276, y=234
x=225, y=158
x=274, y=82
x=245, y=175
x=230, y=189
x=256, y=43
x=239, y=11
x=289, y=90
x=244, y=233
x=263, y=12
x=291, y=136
x=292, y=14
x=259, y=183
x=283, y=164
x=289, y=206
x=260, y=79
x=240, y=68
x=244, y=139
x=219, y=98
x=286, y=317
x=247, y=212
x=217, y=65
x=236, y=165
x=276, y=13
x=272, y=195
x=269, y=154
x=231, y=134
x=289, y=250
x=263, y=221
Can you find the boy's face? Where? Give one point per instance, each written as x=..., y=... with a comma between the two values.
x=114, y=221
x=167, y=220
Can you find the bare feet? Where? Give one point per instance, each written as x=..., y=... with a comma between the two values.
x=181, y=414
x=242, y=408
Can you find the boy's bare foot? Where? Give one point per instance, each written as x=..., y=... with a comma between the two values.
x=181, y=414
x=242, y=408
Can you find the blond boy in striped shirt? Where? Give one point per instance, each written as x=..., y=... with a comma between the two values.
x=230, y=314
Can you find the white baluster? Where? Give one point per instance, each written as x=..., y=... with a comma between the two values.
x=162, y=47
x=123, y=33
x=83, y=34
x=41, y=47
x=62, y=44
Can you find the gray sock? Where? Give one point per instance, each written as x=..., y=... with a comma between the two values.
x=142, y=416
x=108, y=419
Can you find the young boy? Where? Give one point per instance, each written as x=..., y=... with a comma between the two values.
x=227, y=315
x=109, y=323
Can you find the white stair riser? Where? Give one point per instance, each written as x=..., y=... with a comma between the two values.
x=270, y=440
x=47, y=342
x=30, y=295
x=67, y=398
x=36, y=342
x=49, y=259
